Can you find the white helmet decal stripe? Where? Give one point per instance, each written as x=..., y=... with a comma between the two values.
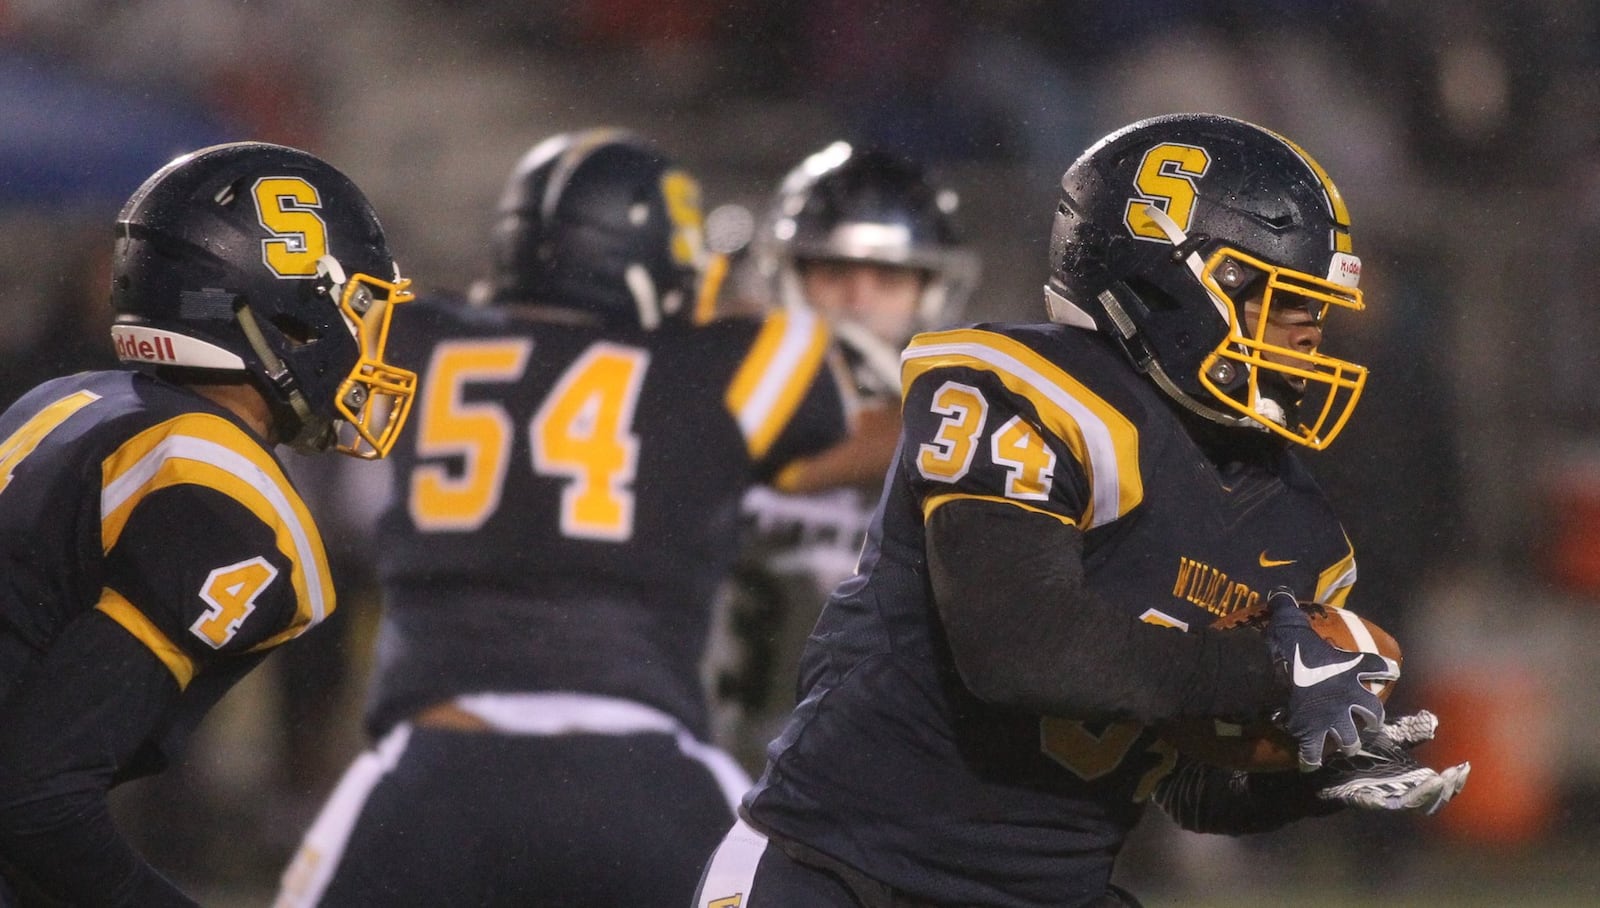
x=143, y=344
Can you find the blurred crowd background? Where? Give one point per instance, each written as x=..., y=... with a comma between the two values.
x=1465, y=136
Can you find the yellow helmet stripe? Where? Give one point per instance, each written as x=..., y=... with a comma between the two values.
x=1336, y=206
x=1102, y=440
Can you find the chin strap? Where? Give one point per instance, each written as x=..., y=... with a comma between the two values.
x=1165, y=383
x=1146, y=362
x=643, y=291
x=1268, y=408
x=877, y=358
x=311, y=433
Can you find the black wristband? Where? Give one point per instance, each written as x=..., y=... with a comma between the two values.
x=1245, y=682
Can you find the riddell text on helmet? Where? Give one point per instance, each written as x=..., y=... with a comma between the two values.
x=148, y=349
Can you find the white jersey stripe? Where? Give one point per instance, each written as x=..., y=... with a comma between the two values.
x=308, y=875
x=799, y=335
x=1343, y=581
x=570, y=713
x=732, y=870
x=200, y=450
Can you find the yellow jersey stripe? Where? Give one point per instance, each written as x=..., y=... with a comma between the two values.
x=1333, y=584
x=786, y=478
x=22, y=442
x=209, y=451
x=934, y=501
x=770, y=383
x=1105, y=442
x=120, y=610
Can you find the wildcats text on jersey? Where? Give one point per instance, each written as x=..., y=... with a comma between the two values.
x=1211, y=589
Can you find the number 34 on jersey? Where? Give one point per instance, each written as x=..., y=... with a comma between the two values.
x=1015, y=446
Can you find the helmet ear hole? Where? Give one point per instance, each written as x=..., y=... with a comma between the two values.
x=296, y=330
x=1146, y=298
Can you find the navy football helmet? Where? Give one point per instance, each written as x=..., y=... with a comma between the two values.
x=1167, y=229
x=601, y=221
x=266, y=262
x=844, y=204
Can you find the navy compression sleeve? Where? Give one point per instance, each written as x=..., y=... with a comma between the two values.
x=1026, y=633
x=1203, y=798
x=64, y=735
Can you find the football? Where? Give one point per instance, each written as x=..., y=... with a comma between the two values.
x=1262, y=747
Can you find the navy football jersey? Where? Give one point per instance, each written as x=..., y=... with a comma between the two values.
x=566, y=497
x=889, y=764
x=125, y=494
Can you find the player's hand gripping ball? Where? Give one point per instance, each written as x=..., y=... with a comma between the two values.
x=1261, y=746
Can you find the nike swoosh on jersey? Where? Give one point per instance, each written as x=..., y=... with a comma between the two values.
x=1306, y=676
x=1272, y=562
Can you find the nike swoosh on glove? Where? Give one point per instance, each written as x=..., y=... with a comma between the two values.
x=1384, y=775
x=1327, y=696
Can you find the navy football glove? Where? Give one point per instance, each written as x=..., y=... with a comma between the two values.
x=1385, y=776
x=1327, y=696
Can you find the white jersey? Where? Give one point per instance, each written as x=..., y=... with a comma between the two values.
x=816, y=536
x=797, y=548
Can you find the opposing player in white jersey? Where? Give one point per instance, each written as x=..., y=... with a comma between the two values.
x=867, y=239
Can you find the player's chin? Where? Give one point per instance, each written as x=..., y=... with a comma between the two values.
x=1295, y=385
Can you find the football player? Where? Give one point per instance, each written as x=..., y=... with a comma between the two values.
x=983, y=700
x=154, y=550
x=868, y=240
x=561, y=518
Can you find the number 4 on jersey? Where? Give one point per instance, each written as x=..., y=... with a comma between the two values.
x=584, y=431
x=231, y=593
